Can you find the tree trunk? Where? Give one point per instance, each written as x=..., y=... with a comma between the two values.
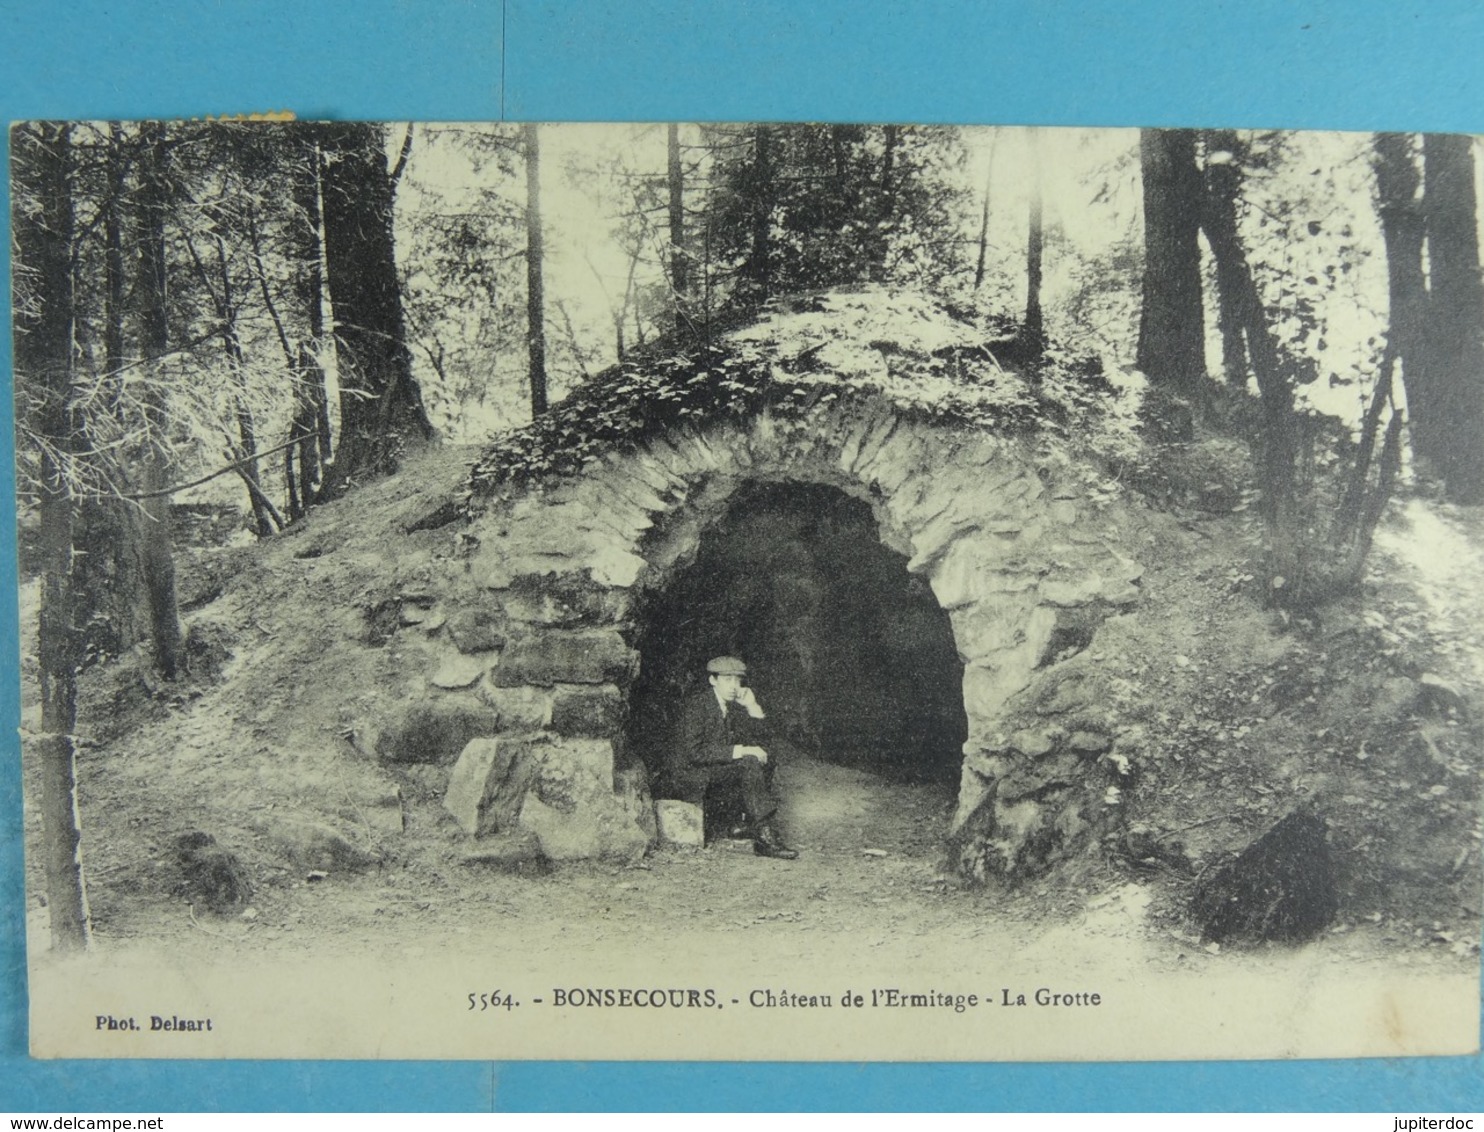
x=535, y=286
x=380, y=404
x=1279, y=440
x=1403, y=229
x=113, y=264
x=1223, y=176
x=758, y=268
x=311, y=422
x=45, y=353
x=1034, y=331
x=156, y=552
x=262, y=510
x=1454, y=400
x=878, y=239
x=984, y=220
x=1171, y=346
x=679, y=269
x=110, y=583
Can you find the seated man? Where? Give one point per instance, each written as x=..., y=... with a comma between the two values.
x=718, y=747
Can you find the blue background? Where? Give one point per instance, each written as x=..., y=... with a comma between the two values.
x=1328, y=65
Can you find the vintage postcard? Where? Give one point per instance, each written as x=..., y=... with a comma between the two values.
x=748, y=591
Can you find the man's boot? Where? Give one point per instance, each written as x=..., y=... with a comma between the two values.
x=767, y=843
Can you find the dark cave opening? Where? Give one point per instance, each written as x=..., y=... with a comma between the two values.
x=849, y=654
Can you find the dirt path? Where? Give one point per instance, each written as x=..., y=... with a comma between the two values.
x=1436, y=550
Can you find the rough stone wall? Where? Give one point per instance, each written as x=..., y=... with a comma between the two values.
x=522, y=635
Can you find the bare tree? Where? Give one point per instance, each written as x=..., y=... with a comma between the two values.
x=535, y=288
x=45, y=230
x=156, y=554
x=679, y=267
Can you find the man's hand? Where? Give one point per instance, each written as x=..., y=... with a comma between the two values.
x=741, y=751
x=749, y=701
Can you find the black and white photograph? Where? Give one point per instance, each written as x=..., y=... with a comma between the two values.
x=757, y=591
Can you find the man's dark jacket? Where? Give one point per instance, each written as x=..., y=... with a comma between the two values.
x=701, y=756
x=704, y=736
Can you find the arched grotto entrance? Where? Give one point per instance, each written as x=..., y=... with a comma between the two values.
x=918, y=602
x=850, y=653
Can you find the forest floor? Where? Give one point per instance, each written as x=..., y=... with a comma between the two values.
x=1247, y=718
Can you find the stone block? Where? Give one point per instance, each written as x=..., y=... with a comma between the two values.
x=1125, y=570
x=987, y=688
x=458, y=672
x=567, y=766
x=985, y=628
x=562, y=600
x=586, y=710
x=488, y=784
x=958, y=576
x=476, y=630
x=1071, y=592
x=681, y=824
x=616, y=567
x=597, y=656
x=1034, y=743
x=595, y=826
x=1016, y=824
x=908, y=454
x=1062, y=511
x=931, y=542
x=975, y=788
x=1071, y=688
x=435, y=731
x=520, y=708
x=517, y=853
x=1036, y=779
x=1036, y=632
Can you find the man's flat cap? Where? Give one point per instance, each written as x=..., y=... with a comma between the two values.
x=726, y=666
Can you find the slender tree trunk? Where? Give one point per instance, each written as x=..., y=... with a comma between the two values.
x=1455, y=317
x=113, y=263
x=535, y=286
x=157, y=552
x=1280, y=439
x=879, y=240
x=679, y=268
x=1171, y=346
x=45, y=352
x=380, y=404
x=1034, y=331
x=262, y=510
x=110, y=584
x=759, y=265
x=984, y=220
x=311, y=422
x=1223, y=177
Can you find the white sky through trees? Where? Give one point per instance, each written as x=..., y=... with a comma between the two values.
x=1092, y=201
